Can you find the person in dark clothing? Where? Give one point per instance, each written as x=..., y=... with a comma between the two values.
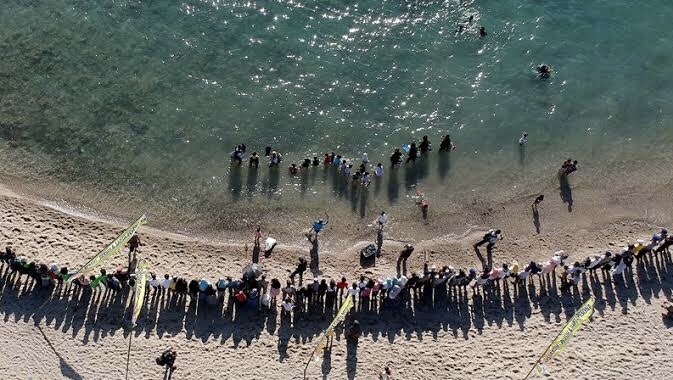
x=316, y=161
x=425, y=145
x=306, y=163
x=413, y=153
x=194, y=289
x=301, y=268
x=402, y=258
x=167, y=359
x=396, y=157
x=253, y=161
x=354, y=331
x=446, y=145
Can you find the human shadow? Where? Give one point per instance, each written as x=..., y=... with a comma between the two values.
x=251, y=182
x=274, y=179
x=235, y=181
x=315, y=256
x=565, y=191
x=393, y=185
x=444, y=165
x=536, y=218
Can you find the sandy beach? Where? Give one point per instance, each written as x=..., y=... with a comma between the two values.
x=501, y=336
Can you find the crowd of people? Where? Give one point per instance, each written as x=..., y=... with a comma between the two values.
x=254, y=290
x=361, y=171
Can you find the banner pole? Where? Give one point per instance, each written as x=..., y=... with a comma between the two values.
x=313, y=353
x=128, y=354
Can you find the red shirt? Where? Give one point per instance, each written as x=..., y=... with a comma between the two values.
x=342, y=285
x=241, y=297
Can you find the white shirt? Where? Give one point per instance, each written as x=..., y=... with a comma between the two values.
x=288, y=306
x=523, y=140
x=353, y=292
x=378, y=171
x=155, y=282
x=166, y=283
x=383, y=218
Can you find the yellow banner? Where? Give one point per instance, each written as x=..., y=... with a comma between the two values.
x=108, y=252
x=581, y=315
x=340, y=316
x=139, y=294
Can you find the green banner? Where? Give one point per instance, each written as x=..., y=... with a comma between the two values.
x=108, y=252
x=139, y=294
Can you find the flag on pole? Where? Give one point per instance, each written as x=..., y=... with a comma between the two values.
x=139, y=290
x=581, y=315
x=340, y=316
x=108, y=252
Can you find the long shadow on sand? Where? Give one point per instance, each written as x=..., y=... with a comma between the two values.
x=92, y=314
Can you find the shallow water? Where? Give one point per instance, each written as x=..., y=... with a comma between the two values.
x=149, y=98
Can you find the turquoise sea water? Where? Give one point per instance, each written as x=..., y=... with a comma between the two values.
x=149, y=97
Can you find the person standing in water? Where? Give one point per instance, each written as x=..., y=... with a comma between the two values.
x=482, y=31
x=413, y=153
x=253, y=161
x=425, y=145
x=378, y=171
x=396, y=158
x=523, y=140
x=446, y=144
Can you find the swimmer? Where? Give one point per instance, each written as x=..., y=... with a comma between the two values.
x=306, y=163
x=365, y=158
x=523, y=140
x=482, y=31
x=543, y=71
x=316, y=161
x=293, y=169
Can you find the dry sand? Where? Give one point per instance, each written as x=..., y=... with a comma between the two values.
x=483, y=338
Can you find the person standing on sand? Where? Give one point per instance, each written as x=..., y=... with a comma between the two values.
x=537, y=201
x=301, y=268
x=381, y=220
x=133, y=243
x=491, y=237
x=403, y=257
x=258, y=236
